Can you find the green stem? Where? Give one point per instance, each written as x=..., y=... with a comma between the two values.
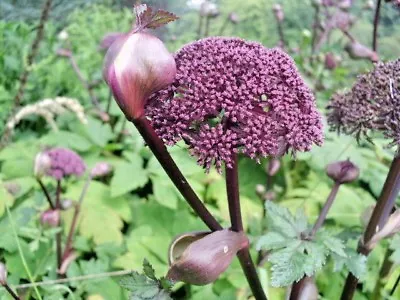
x=21, y=253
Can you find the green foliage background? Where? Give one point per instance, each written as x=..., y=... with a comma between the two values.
x=136, y=212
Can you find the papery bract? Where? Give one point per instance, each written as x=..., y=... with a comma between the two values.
x=207, y=258
x=137, y=65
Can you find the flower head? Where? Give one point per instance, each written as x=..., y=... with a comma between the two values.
x=232, y=96
x=373, y=104
x=64, y=162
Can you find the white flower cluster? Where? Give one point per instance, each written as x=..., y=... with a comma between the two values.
x=49, y=109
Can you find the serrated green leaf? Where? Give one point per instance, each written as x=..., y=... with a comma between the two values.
x=315, y=257
x=332, y=243
x=271, y=240
x=148, y=270
x=280, y=220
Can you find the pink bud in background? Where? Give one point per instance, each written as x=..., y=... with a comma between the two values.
x=204, y=260
x=234, y=18
x=330, y=61
x=50, y=217
x=101, y=169
x=42, y=164
x=278, y=12
x=343, y=171
x=136, y=66
x=359, y=51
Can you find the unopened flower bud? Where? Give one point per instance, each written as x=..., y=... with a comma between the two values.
x=234, y=18
x=63, y=35
x=345, y=4
x=260, y=190
x=101, y=169
x=66, y=204
x=136, y=66
x=305, y=289
x=3, y=274
x=42, y=164
x=330, y=61
x=360, y=51
x=204, y=260
x=50, y=217
x=270, y=196
x=343, y=171
x=278, y=12
x=64, y=52
x=273, y=167
x=369, y=5
x=209, y=10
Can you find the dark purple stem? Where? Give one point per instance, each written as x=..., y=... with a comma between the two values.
x=58, y=236
x=379, y=217
x=232, y=190
x=324, y=212
x=46, y=193
x=68, y=244
x=161, y=153
x=249, y=269
x=396, y=284
x=376, y=23
x=11, y=292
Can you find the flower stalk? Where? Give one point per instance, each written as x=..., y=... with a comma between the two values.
x=376, y=24
x=158, y=148
x=59, y=234
x=378, y=219
x=248, y=267
x=46, y=193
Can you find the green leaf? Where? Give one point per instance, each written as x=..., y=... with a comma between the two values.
x=271, y=240
x=332, y=243
x=395, y=246
x=148, y=270
x=146, y=286
x=128, y=177
x=281, y=220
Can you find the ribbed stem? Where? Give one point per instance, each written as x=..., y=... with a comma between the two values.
x=376, y=24
x=249, y=269
x=161, y=153
x=378, y=219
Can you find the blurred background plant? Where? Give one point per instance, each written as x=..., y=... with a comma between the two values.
x=134, y=212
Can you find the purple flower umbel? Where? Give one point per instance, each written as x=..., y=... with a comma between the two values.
x=65, y=162
x=233, y=96
x=373, y=104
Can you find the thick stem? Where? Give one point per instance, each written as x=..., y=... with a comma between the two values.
x=11, y=292
x=232, y=190
x=251, y=274
x=376, y=23
x=68, y=244
x=46, y=193
x=59, y=234
x=324, y=212
x=161, y=153
x=379, y=217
